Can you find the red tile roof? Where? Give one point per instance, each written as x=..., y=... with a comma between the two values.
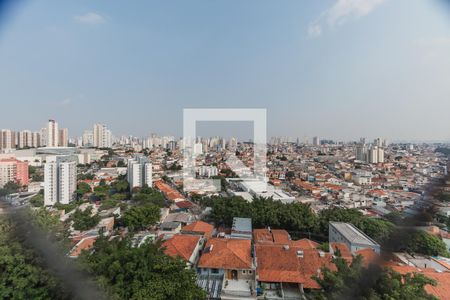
x=199, y=227
x=278, y=263
x=369, y=256
x=441, y=290
x=305, y=244
x=84, y=244
x=184, y=204
x=226, y=254
x=169, y=192
x=274, y=236
x=181, y=245
x=344, y=251
x=311, y=264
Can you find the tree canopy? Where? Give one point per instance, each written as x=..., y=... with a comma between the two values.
x=357, y=282
x=143, y=272
x=141, y=217
x=83, y=220
x=21, y=276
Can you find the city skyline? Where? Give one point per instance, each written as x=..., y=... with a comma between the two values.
x=338, y=70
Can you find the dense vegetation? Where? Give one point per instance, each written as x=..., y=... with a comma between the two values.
x=9, y=188
x=84, y=220
x=374, y=282
x=301, y=221
x=144, y=272
x=296, y=218
x=21, y=276
x=141, y=217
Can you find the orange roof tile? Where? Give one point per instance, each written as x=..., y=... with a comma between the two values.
x=169, y=192
x=84, y=244
x=369, y=256
x=200, y=227
x=226, y=254
x=441, y=290
x=181, y=245
x=305, y=244
x=343, y=249
x=274, y=236
x=278, y=263
x=311, y=264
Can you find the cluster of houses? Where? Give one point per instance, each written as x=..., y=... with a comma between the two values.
x=247, y=263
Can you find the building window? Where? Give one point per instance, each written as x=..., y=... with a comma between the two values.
x=244, y=272
x=215, y=271
x=250, y=272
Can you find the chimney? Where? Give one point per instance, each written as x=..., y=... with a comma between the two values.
x=286, y=247
x=300, y=253
x=321, y=254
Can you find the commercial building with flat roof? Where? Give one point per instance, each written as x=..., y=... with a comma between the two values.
x=348, y=234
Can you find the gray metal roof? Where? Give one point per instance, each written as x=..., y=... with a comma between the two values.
x=242, y=224
x=353, y=234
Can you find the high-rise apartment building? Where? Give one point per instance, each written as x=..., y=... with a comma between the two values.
x=52, y=134
x=7, y=139
x=102, y=136
x=43, y=135
x=316, y=141
x=63, y=139
x=88, y=138
x=25, y=139
x=361, y=152
x=35, y=139
x=60, y=180
x=14, y=170
x=139, y=172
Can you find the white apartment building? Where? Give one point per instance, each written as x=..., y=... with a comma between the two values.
x=25, y=139
x=207, y=171
x=88, y=138
x=102, y=137
x=52, y=134
x=7, y=139
x=372, y=155
x=35, y=139
x=67, y=181
x=139, y=172
x=376, y=155
x=43, y=135
x=50, y=183
x=60, y=180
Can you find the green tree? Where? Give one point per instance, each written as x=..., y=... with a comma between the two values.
x=38, y=199
x=9, y=188
x=101, y=192
x=356, y=282
x=425, y=243
x=83, y=220
x=82, y=189
x=120, y=186
x=378, y=229
x=141, y=217
x=140, y=272
x=147, y=195
x=21, y=276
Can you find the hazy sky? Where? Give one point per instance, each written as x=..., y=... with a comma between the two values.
x=338, y=69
